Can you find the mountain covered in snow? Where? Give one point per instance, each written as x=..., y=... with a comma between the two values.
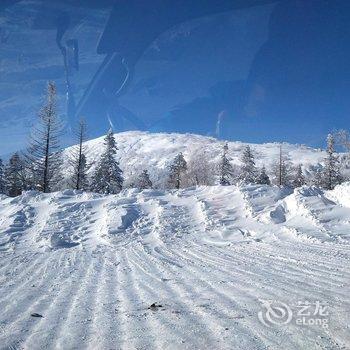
x=139, y=150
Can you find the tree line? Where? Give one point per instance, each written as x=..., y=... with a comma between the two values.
x=39, y=167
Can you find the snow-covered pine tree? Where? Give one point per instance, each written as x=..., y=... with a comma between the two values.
x=299, y=178
x=14, y=173
x=248, y=172
x=144, y=181
x=77, y=159
x=176, y=171
x=2, y=178
x=331, y=173
x=42, y=157
x=317, y=179
x=108, y=177
x=281, y=170
x=263, y=178
x=225, y=168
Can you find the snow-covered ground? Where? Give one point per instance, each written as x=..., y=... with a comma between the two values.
x=210, y=259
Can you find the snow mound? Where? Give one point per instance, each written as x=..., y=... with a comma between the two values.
x=218, y=215
x=341, y=194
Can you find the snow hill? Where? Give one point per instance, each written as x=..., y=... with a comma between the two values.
x=153, y=151
x=188, y=269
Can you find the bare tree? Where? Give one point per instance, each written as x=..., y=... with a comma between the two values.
x=43, y=157
x=199, y=170
x=78, y=160
x=281, y=170
x=342, y=138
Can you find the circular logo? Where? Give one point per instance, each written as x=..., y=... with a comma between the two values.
x=275, y=313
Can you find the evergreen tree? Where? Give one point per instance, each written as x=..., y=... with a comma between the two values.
x=176, y=171
x=331, y=174
x=225, y=169
x=78, y=162
x=299, y=179
x=248, y=173
x=14, y=173
x=43, y=158
x=108, y=177
x=2, y=178
x=318, y=178
x=144, y=181
x=263, y=178
x=281, y=170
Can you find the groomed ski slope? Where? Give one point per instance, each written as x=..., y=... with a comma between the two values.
x=208, y=257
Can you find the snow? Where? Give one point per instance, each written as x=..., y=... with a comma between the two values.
x=208, y=257
x=153, y=151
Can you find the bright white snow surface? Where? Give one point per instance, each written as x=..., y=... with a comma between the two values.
x=208, y=258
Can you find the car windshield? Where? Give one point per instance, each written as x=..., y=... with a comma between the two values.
x=175, y=174
x=255, y=71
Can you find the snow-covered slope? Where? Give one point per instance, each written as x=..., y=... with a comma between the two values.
x=153, y=151
x=208, y=258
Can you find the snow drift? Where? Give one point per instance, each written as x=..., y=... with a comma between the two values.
x=187, y=269
x=213, y=214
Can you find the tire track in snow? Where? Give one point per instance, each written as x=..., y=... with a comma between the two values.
x=270, y=264
x=55, y=309
x=134, y=330
x=179, y=258
x=27, y=304
x=330, y=341
x=70, y=332
x=188, y=290
x=174, y=295
x=28, y=278
x=148, y=293
x=18, y=267
x=222, y=295
x=89, y=298
x=298, y=297
x=283, y=278
x=106, y=323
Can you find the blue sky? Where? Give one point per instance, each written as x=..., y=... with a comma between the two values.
x=276, y=72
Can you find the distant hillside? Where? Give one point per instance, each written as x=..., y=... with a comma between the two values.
x=153, y=151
